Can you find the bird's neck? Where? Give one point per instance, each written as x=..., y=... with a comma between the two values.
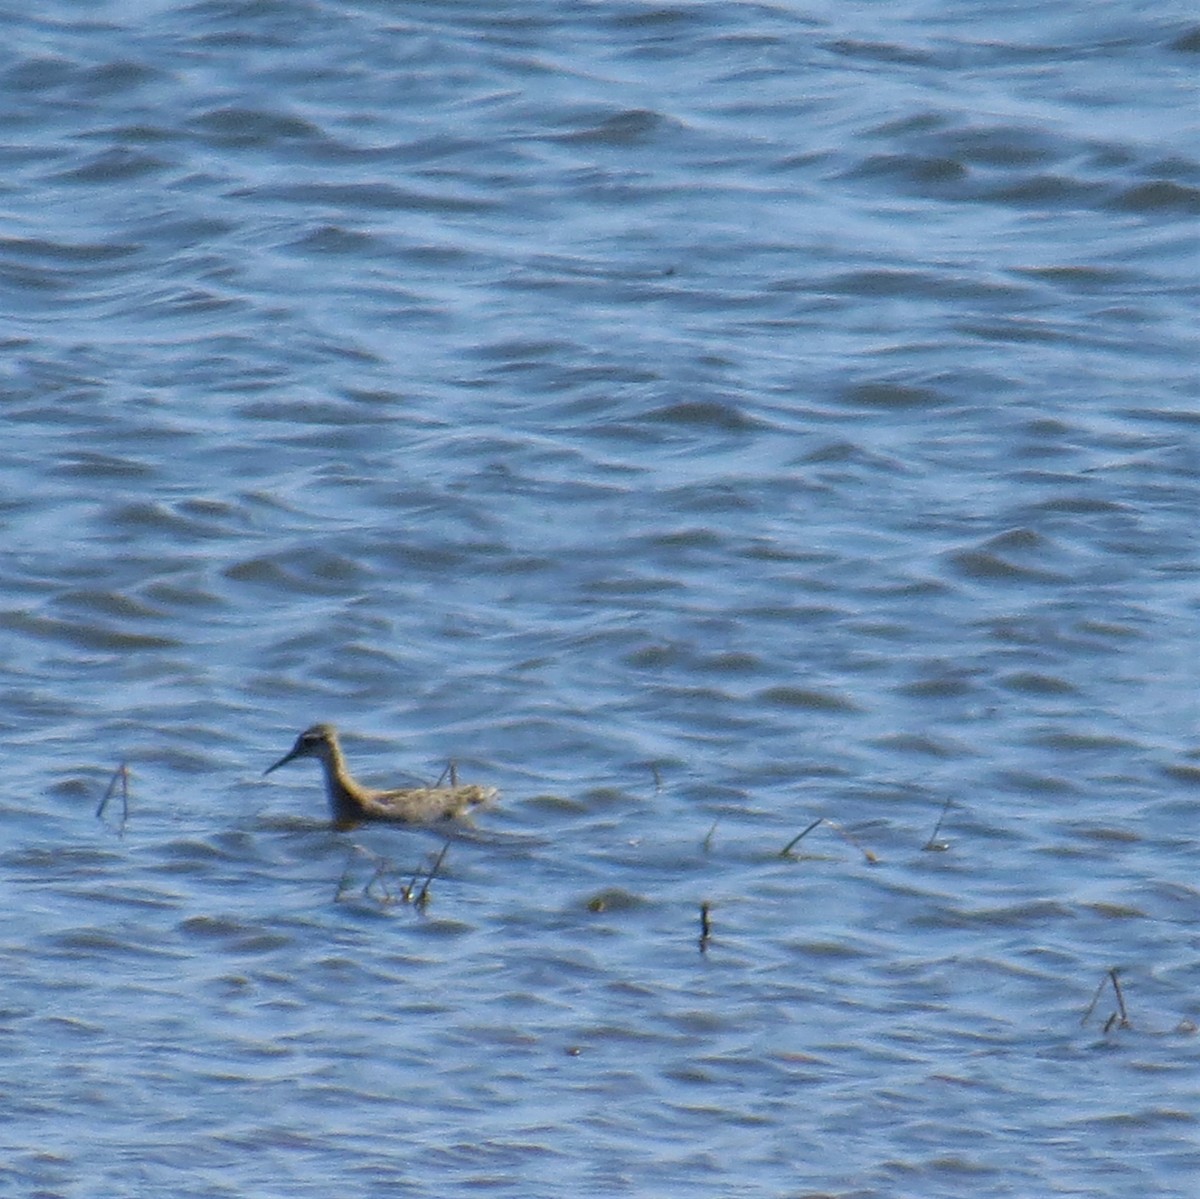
x=345, y=795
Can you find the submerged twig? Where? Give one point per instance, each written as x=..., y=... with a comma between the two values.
x=120, y=776
x=705, y=927
x=1119, y=1018
x=837, y=828
x=344, y=881
x=383, y=867
x=657, y=778
x=452, y=771
x=376, y=887
x=709, y=835
x=787, y=849
x=422, y=898
x=933, y=843
x=1116, y=982
x=872, y=858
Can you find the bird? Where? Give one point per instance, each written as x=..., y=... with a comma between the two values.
x=351, y=802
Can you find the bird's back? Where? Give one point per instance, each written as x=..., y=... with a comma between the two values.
x=424, y=805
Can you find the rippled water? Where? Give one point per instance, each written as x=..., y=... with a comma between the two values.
x=698, y=420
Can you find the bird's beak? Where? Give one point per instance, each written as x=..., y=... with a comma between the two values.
x=287, y=757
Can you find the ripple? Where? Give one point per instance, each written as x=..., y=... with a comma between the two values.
x=1161, y=195
x=84, y=635
x=565, y=391
x=805, y=698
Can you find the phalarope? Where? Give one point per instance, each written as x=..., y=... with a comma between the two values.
x=352, y=802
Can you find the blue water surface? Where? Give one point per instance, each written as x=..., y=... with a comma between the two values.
x=705, y=422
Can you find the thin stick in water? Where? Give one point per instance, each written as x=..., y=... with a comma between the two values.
x=120, y=777
x=344, y=881
x=1091, y=1007
x=709, y=835
x=1119, y=1018
x=872, y=859
x=1116, y=983
x=383, y=867
x=705, y=927
x=452, y=771
x=787, y=849
x=423, y=895
x=933, y=843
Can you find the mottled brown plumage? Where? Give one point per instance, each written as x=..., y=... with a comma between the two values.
x=352, y=802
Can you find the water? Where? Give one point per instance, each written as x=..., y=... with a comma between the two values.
x=697, y=420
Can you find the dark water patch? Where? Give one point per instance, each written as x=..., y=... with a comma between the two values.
x=924, y=746
x=119, y=77
x=631, y=127
x=805, y=698
x=732, y=662
x=850, y=452
x=631, y=587
x=1159, y=196
x=1018, y=330
x=1083, y=278
x=118, y=165
x=123, y=894
x=1106, y=835
x=101, y=944
x=1183, y=773
x=703, y=414
x=1080, y=505
x=1019, y=555
x=313, y=572
x=113, y=604
x=60, y=254
x=234, y=935
x=66, y=860
x=40, y=73
x=883, y=52
x=924, y=170
x=990, y=567
x=1188, y=42
x=367, y=197
x=613, y=899
x=893, y=283
x=95, y=465
x=239, y=126
x=1079, y=741
x=1033, y=683
x=941, y=682
x=335, y=239
x=85, y=636
x=194, y=854
x=892, y=394
x=1040, y=191
x=1000, y=145
x=1025, y=782
x=554, y=806
x=1030, y=914
x=333, y=417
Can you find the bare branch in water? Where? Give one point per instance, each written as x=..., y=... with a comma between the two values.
x=872, y=859
x=117, y=785
x=787, y=849
x=1119, y=1018
x=933, y=843
x=452, y=771
x=422, y=898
